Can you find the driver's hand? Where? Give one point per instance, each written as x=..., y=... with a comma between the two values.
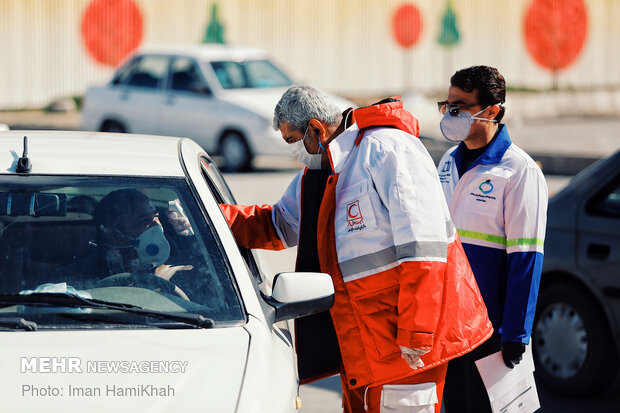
x=167, y=271
x=180, y=223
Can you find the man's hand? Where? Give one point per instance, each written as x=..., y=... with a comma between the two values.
x=180, y=223
x=512, y=353
x=167, y=271
x=412, y=356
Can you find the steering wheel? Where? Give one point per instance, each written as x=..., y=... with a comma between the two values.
x=144, y=280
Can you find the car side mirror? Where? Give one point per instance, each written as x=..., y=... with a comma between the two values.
x=298, y=294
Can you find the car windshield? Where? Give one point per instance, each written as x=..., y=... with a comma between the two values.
x=140, y=242
x=249, y=74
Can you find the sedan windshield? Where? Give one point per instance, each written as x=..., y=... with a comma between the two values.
x=249, y=74
x=120, y=243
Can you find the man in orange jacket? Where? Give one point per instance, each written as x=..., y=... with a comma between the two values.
x=369, y=211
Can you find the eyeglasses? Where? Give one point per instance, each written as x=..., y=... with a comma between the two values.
x=454, y=110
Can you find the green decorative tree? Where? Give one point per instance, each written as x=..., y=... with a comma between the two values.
x=215, y=29
x=449, y=35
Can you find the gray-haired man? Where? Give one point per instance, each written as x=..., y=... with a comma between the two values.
x=369, y=211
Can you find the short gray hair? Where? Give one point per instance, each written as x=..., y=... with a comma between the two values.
x=301, y=103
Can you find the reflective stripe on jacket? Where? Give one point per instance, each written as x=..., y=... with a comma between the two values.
x=384, y=235
x=499, y=207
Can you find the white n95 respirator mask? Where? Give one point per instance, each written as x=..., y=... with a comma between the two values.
x=299, y=152
x=152, y=246
x=455, y=125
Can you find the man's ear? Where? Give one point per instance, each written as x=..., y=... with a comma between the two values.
x=317, y=127
x=493, y=111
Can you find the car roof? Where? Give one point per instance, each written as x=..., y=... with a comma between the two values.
x=91, y=153
x=205, y=51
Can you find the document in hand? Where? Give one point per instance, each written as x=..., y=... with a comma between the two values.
x=510, y=391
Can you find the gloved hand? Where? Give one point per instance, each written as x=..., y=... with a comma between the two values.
x=412, y=356
x=512, y=353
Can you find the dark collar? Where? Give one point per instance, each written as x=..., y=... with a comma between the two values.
x=492, y=155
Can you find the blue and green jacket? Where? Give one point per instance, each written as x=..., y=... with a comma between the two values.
x=499, y=207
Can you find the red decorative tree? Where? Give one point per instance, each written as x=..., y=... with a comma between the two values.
x=555, y=32
x=407, y=28
x=407, y=25
x=111, y=29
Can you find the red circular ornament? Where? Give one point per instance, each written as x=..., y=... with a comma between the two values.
x=111, y=29
x=407, y=25
x=555, y=31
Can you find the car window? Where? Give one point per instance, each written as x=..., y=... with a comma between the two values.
x=216, y=182
x=223, y=195
x=263, y=73
x=249, y=74
x=112, y=239
x=149, y=72
x=186, y=76
x=229, y=74
x=122, y=74
x=607, y=201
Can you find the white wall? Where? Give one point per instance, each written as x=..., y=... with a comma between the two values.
x=343, y=46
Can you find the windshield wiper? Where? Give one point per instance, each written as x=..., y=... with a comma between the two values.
x=18, y=322
x=72, y=300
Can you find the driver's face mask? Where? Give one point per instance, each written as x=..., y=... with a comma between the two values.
x=299, y=152
x=456, y=124
x=152, y=246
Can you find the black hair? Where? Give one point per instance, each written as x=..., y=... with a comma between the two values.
x=116, y=204
x=489, y=83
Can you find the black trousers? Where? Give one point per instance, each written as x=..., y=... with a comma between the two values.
x=464, y=390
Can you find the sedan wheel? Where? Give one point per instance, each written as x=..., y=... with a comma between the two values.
x=562, y=340
x=572, y=347
x=112, y=126
x=235, y=151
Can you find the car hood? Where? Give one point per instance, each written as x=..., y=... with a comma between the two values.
x=263, y=101
x=156, y=370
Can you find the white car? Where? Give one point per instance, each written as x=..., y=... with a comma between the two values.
x=122, y=287
x=222, y=97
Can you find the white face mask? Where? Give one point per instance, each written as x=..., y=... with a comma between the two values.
x=299, y=152
x=152, y=246
x=456, y=128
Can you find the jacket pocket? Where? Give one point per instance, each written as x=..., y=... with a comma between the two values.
x=355, y=213
x=409, y=398
x=379, y=311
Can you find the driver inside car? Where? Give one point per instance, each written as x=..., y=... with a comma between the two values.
x=131, y=239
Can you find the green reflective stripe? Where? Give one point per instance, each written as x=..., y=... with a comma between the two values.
x=525, y=241
x=484, y=237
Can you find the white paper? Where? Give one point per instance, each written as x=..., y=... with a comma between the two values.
x=510, y=390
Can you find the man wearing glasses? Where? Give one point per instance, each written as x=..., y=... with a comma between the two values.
x=497, y=198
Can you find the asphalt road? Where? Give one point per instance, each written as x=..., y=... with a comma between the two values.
x=266, y=185
x=562, y=139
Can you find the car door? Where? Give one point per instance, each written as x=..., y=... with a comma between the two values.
x=190, y=108
x=253, y=259
x=140, y=101
x=598, y=240
x=223, y=195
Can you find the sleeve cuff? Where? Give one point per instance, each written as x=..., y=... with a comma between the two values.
x=415, y=339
